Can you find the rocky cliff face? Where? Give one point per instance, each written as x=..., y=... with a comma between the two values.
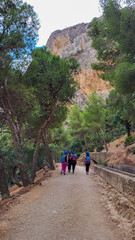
x=74, y=42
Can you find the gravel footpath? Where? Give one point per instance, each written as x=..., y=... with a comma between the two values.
x=66, y=207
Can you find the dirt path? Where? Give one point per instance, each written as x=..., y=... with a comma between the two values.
x=63, y=207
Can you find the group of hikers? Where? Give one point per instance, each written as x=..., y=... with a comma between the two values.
x=70, y=160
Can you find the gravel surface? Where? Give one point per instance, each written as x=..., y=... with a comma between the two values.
x=66, y=207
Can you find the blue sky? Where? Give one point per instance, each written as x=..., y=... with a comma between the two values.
x=60, y=14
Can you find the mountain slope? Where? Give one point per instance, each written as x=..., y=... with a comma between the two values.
x=74, y=42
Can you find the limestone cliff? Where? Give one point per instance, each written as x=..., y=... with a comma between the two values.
x=74, y=42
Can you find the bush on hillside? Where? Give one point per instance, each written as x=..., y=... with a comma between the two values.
x=101, y=162
x=129, y=140
x=91, y=149
x=134, y=150
x=99, y=148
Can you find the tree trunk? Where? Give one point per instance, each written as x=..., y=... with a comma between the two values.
x=15, y=181
x=104, y=139
x=24, y=175
x=128, y=126
x=41, y=131
x=3, y=182
x=49, y=152
x=10, y=123
x=35, y=155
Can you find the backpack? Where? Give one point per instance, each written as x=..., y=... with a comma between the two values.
x=63, y=159
x=88, y=159
x=74, y=158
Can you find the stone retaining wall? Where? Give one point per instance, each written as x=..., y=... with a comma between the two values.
x=124, y=168
x=124, y=184
x=105, y=156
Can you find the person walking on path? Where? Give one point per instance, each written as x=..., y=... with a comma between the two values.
x=74, y=161
x=87, y=161
x=69, y=161
x=64, y=163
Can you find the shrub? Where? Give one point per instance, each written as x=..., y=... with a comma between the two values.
x=129, y=140
x=11, y=156
x=99, y=148
x=134, y=150
x=101, y=162
x=91, y=149
x=76, y=146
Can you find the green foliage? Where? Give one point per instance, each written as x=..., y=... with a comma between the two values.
x=101, y=162
x=76, y=124
x=129, y=140
x=52, y=80
x=19, y=28
x=127, y=3
x=77, y=146
x=94, y=114
x=124, y=71
x=51, y=76
x=99, y=148
x=113, y=37
x=57, y=151
x=60, y=115
x=123, y=109
x=134, y=150
x=5, y=138
x=88, y=124
x=91, y=149
x=29, y=97
x=76, y=120
x=59, y=136
x=10, y=157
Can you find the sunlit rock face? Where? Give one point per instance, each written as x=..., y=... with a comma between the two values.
x=74, y=42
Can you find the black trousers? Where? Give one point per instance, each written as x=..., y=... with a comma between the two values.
x=87, y=167
x=69, y=165
x=73, y=167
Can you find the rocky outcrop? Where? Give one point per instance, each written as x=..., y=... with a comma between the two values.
x=74, y=42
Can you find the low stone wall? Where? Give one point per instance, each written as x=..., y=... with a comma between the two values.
x=124, y=168
x=124, y=184
x=105, y=156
